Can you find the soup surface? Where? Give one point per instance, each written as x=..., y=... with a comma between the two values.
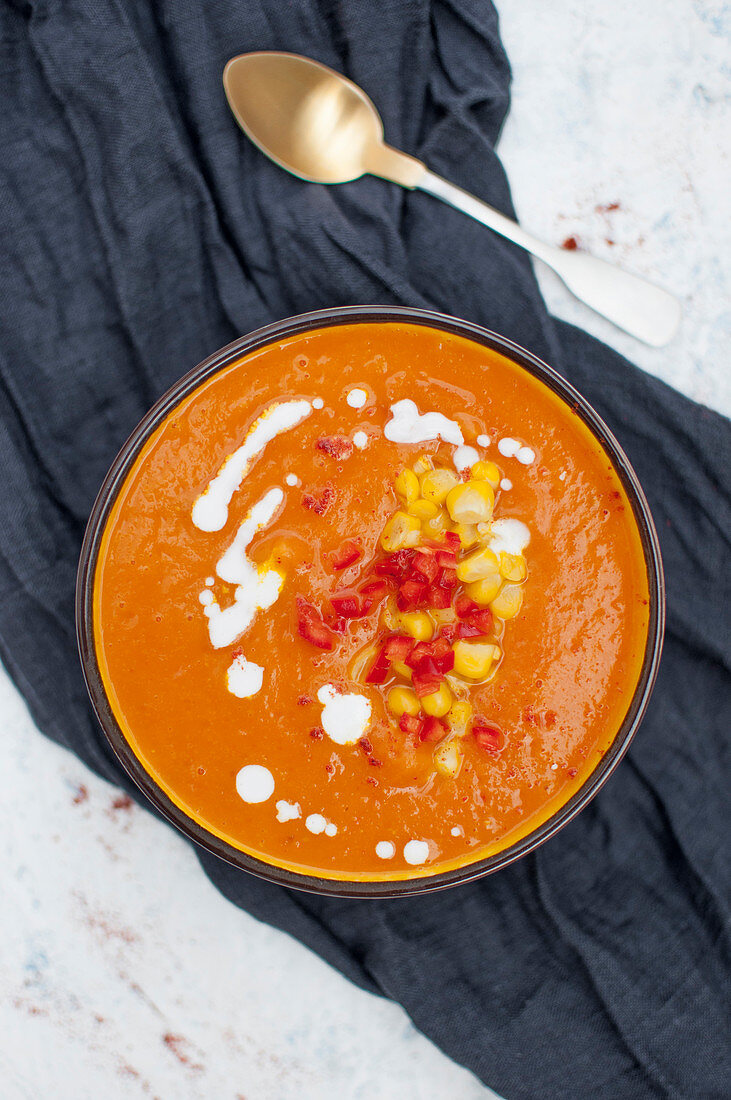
x=371, y=603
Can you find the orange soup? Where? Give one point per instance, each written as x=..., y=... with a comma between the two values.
x=371, y=603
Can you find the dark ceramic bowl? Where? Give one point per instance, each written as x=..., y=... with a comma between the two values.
x=293, y=326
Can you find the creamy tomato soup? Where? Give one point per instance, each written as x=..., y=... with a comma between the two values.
x=371, y=603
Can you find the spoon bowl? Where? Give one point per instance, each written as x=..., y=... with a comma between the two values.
x=306, y=118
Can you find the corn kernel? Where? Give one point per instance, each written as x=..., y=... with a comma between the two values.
x=423, y=509
x=436, y=484
x=407, y=486
x=507, y=603
x=362, y=661
x=402, y=669
x=402, y=700
x=443, y=615
x=471, y=502
x=401, y=530
x=389, y=614
x=485, y=590
x=448, y=759
x=422, y=464
x=477, y=565
x=512, y=567
x=467, y=534
x=438, y=703
x=416, y=624
x=473, y=659
x=486, y=471
x=459, y=717
x=435, y=528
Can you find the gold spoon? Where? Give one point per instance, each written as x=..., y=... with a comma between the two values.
x=324, y=129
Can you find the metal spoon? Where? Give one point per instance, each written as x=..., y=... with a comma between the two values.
x=323, y=128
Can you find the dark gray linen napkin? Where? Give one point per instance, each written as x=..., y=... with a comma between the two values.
x=139, y=232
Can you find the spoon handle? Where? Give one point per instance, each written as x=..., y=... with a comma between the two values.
x=639, y=307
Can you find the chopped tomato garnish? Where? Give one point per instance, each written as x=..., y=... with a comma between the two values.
x=346, y=554
x=319, y=502
x=488, y=737
x=311, y=627
x=452, y=540
x=395, y=565
x=439, y=598
x=449, y=631
x=425, y=564
x=409, y=724
x=446, y=559
x=434, y=730
x=448, y=578
x=372, y=594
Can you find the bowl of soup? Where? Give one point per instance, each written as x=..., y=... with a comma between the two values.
x=370, y=603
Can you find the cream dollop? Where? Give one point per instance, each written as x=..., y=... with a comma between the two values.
x=509, y=535
x=345, y=716
x=244, y=678
x=408, y=425
x=416, y=852
x=254, y=783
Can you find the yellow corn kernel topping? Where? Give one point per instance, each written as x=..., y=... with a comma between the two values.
x=474, y=659
x=400, y=531
x=406, y=486
x=471, y=502
x=436, y=484
x=435, y=528
x=459, y=717
x=508, y=602
x=402, y=700
x=402, y=669
x=481, y=563
x=423, y=509
x=467, y=534
x=513, y=567
x=416, y=624
x=484, y=591
x=438, y=703
x=422, y=464
x=448, y=759
x=486, y=471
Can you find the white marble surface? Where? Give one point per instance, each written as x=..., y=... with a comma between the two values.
x=111, y=938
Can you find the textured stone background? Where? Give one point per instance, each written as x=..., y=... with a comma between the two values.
x=122, y=973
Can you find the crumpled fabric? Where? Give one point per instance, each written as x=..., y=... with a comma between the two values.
x=139, y=232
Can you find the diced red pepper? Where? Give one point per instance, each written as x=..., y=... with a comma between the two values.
x=446, y=559
x=488, y=737
x=339, y=624
x=482, y=619
x=448, y=578
x=337, y=446
x=398, y=647
x=395, y=565
x=434, y=730
x=348, y=604
x=467, y=629
x=439, y=598
x=310, y=625
x=464, y=606
x=425, y=564
x=411, y=595
x=449, y=631
x=410, y=724
x=452, y=540
x=372, y=594
x=379, y=669
x=426, y=683
x=346, y=554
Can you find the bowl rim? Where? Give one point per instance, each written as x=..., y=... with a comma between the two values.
x=114, y=479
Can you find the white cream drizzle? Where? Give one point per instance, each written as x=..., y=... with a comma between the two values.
x=345, y=716
x=508, y=447
x=254, y=783
x=360, y=439
x=416, y=852
x=210, y=511
x=257, y=587
x=526, y=455
x=509, y=535
x=409, y=426
x=244, y=678
x=317, y=824
x=464, y=457
x=292, y=480
x=506, y=484
x=385, y=849
x=317, y=403
x=357, y=398
x=457, y=830
x=483, y=440
x=288, y=811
